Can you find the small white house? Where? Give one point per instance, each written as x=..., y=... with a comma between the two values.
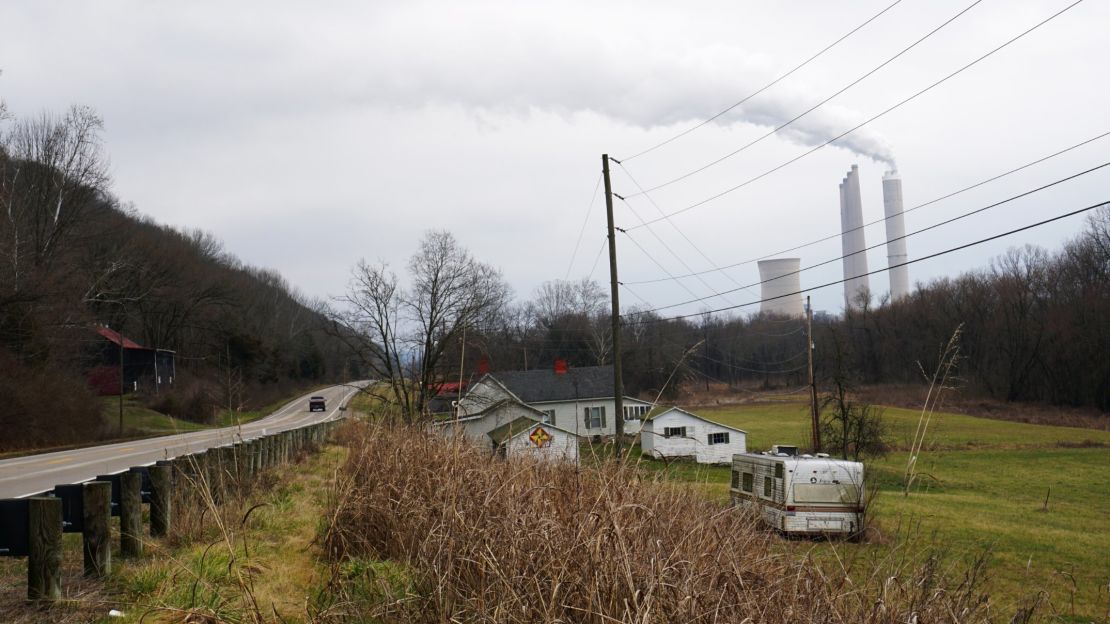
x=478, y=424
x=578, y=400
x=678, y=433
x=526, y=437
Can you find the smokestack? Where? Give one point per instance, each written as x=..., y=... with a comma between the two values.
x=895, y=229
x=782, y=285
x=851, y=218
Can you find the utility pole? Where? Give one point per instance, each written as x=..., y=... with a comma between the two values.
x=618, y=381
x=119, y=334
x=812, y=383
x=462, y=364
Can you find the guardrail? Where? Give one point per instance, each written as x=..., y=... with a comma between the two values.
x=32, y=527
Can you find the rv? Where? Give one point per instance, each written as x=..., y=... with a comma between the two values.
x=800, y=494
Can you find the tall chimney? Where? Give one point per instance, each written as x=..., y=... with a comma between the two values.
x=852, y=241
x=895, y=229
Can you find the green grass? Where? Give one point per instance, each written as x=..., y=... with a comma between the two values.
x=984, y=488
x=141, y=420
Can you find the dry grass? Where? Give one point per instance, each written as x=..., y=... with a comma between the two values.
x=482, y=540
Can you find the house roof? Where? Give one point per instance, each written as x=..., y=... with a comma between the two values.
x=516, y=427
x=116, y=338
x=693, y=415
x=541, y=385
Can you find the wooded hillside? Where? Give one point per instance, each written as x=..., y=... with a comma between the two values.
x=73, y=257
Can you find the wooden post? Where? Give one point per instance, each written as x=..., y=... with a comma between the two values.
x=131, y=514
x=95, y=532
x=161, y=490
x=618, y=377
x=44, y=558
x=814, y=416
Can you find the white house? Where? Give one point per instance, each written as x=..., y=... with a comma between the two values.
x=578, y=400
x=478, y=424
x=678, y=433
x=526, y=437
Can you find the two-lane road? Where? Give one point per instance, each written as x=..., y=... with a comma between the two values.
x=23, y=476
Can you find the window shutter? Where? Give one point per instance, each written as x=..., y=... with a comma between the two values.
x=586, y=416
x=602, y=416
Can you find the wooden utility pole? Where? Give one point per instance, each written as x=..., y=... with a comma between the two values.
x=812, y=382
x=618, y=381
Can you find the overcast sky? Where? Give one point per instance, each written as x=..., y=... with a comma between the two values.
x=309, y=135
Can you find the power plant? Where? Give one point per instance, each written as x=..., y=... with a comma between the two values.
x=853, y=243
x=781, y=286
x=895, y=236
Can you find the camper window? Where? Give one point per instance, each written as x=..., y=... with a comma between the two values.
x=826, y=493
x=718, y=438
x=767, y=487
x=778, y=471
x=748, y=482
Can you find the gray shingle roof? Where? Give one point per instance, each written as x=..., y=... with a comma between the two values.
x=538, y=386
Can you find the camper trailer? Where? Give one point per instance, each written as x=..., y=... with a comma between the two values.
x=800, y=494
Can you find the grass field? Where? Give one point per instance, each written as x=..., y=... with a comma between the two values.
x=986, y=488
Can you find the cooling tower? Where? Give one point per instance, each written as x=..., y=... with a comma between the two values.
x=895, y=229
x=781, y=286
x=852, y=240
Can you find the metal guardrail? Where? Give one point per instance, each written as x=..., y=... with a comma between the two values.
x=32, y=526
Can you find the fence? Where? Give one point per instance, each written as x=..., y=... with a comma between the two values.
x=32, y=527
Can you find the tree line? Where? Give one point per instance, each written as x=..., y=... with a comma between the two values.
x=1034, y=328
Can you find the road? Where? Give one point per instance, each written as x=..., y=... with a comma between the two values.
x=23, y=476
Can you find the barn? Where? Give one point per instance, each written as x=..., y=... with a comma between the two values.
x=677, y=433
x=526, y=437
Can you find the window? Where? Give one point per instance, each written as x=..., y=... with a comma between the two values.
x=748, y=482
x=674, y=432
x=594, y=417
x=778, y=471
x=635, y=412
x=735, y=480
x=548, y=416
x=826, y=493
x=767, y=487
x=718, y=438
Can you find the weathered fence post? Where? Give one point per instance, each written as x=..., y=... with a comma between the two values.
x=161, y=490
x=131, y=514
x=44, y=558
x=96, y=536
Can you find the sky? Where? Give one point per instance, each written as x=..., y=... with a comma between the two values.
x=306, y=136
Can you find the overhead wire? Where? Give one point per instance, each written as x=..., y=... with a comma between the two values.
x=809, y=110
x=766, y=86
x=927, y=228
x=867, y=121
x=886, y=218
x=672, y=224
x=582, y=230
x=1105, y=203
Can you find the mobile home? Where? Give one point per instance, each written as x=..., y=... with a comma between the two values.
x=800, y=494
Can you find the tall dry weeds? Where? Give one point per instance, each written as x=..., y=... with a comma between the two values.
x=487, y=540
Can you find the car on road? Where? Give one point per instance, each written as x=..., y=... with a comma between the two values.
x=317, y=403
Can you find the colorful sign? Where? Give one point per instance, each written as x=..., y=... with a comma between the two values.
x=539, y=437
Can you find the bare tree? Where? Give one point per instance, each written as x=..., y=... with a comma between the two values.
x=402, y=334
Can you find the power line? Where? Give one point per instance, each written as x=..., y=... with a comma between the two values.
x=765, y=87
x=905, y=236
x=671, y=251
x=604, y=243
x=858, y=126
x=876, y=271
x=870, y=223
x=582, y=231
x=817, y=105
x=674, y=225
x=664, y=269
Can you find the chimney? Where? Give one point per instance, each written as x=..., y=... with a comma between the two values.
x=560, y=366
x=895, y=229
x=853, y=242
